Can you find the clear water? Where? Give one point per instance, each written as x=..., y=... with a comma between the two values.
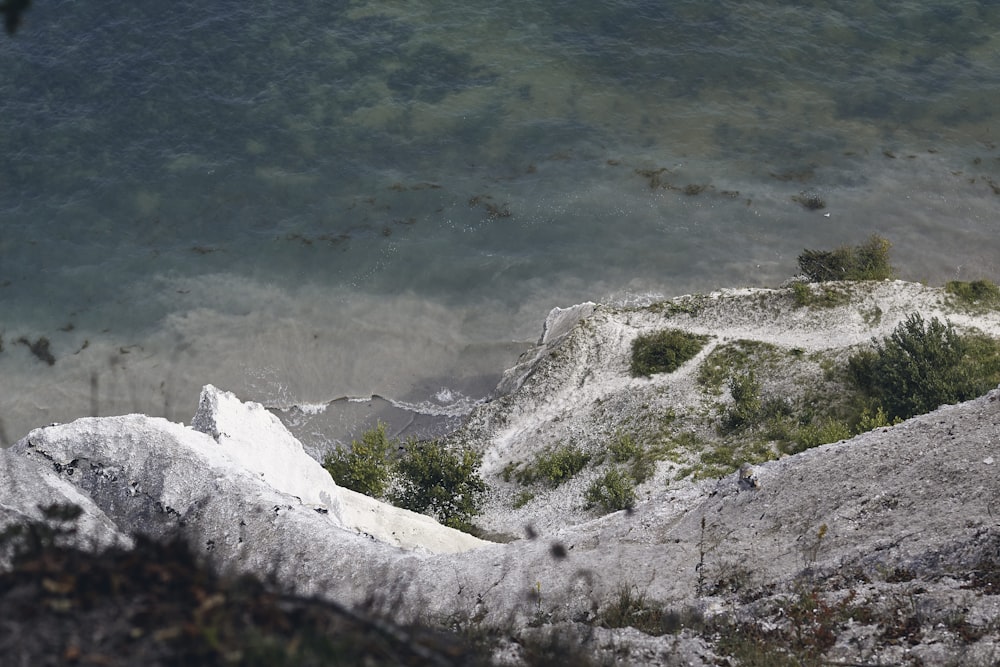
x=327, y=200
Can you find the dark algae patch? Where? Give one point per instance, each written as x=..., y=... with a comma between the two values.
x=40, y=348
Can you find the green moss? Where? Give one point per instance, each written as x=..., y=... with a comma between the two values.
x=664, y=351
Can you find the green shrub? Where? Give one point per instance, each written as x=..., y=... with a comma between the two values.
x=813, y=435
x=921, y=366
x=868, y=261
x=614, y=491
x=664, y=352
x=870, y=421
x=366, y=466
x=623, y=448
x=555, y=466
x=441, y=481
x=747, y=405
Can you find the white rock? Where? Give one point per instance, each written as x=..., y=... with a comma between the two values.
x=26, y=487
x=260, y=443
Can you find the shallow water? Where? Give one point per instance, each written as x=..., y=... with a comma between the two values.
x=334, y=200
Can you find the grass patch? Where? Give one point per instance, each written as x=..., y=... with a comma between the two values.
x=819, y=296
x=726, y=360
x=523, y=499
x=664, y=351
x=631, y=609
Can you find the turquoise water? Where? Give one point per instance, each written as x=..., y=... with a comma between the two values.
x=320, y=200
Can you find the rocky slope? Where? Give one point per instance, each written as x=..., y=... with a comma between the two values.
x=878, y=549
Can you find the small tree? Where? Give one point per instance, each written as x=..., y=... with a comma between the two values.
x=366, y=466
x=441, y=481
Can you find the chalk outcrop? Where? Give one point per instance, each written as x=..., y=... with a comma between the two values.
x=238, y=484
x=28, y=488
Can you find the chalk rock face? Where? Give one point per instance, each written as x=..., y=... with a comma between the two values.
x=26, y=487
x=558, y=323
x=259, y=442
x=244, y=480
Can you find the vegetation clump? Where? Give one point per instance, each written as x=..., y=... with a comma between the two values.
x=613, y=491
x=923, y=365
x=746, y=408
x=440, y=481
x=425, y=477
x=822, y=297
x=623, y=448
x=366, y=466
x=664, y=351
x=810, y=201
x=974, y=293
x=631, y=609
x=868, y=261
x=555, y=466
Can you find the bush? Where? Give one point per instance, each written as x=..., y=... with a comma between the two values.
x=444, y=482
x=747, y=405
x=664, y=352
x=868, y=261
x=869, y=421
x=623, y=448
x=612, y=492
x=555, y=466
x=366, y=466
x=921, y=366
x=816, y=434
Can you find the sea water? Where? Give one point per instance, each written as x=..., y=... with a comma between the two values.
x=353, y=210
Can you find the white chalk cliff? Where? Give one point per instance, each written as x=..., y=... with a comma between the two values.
x=921, y=497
